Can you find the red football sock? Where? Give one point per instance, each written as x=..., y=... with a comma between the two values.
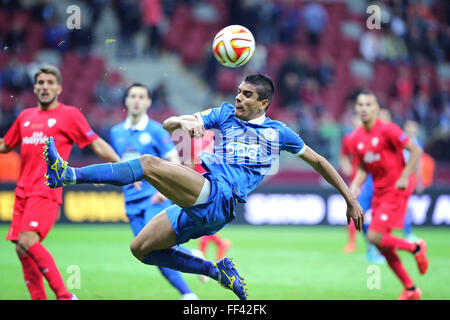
x=204, y=241
x=351, y=232
x=391, y=242
x=33, y=278
x=216, y=239
x=47, y=265
x=396, y=265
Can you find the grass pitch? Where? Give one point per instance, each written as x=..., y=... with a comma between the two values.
x=277, y=262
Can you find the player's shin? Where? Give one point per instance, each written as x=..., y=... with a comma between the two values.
x=176, y=259
x=119, y=174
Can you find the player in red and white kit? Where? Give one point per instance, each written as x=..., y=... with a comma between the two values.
x=36, y=205
x=379, y=148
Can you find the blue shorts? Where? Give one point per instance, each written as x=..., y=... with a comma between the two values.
x=206, y=218
x=141, y=211
x=365, y=197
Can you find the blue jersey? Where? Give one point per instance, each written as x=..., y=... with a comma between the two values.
x=130, y=142
x=245, y=152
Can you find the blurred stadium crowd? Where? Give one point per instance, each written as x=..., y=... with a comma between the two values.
x=319, y=53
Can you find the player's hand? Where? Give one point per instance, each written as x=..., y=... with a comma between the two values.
x=137, y=185
x=402, y=183
x=195, y=129
x=355, y=213
x=157, y=198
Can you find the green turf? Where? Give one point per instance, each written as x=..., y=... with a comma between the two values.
x=286, y=263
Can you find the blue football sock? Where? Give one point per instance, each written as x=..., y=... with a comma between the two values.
x=118, y=174
x=365, y=227
x=176, y=259
x=407, y=229
x=175, y=279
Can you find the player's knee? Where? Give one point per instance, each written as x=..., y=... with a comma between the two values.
x=373, y=238
x=137, y=250
x=20, y=250
x=26, y=240
x=149, y=162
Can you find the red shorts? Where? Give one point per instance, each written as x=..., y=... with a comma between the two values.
x=389, y=210
x=33, y=214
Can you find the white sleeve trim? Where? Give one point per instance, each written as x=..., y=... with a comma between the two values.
x=302, y=150
x=170, y=154
x=199, y=117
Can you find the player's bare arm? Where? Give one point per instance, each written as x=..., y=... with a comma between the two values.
x=358, y=180
x=189, y=123
x=329, y=173
x=346, y=165
x=411, y=165
x=4, y=148
x=104, y=150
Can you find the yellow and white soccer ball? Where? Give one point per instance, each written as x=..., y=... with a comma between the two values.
x=234, y=46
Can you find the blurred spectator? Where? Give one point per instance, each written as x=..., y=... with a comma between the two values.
x=394, y=48
x=310, y=93
x=129, y=18
x=421, y=111
x=15, y=37
x=42, y=11
x=330, y=134
x=316, y=18
x=244, y=13
x=432, y=47
x=96, y=9
x=325, y=72
x=268, y=15
x=404, y=86
x=55, y=33
x=10, y=5
x=152, y=16
x=109, y=92
x=289, y=21
x=159, y=98
x=291, y=76
x=15, y=76
x=371, y=45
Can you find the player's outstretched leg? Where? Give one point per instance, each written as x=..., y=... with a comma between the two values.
x=178, y=183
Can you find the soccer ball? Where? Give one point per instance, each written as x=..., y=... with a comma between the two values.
x=233, y=46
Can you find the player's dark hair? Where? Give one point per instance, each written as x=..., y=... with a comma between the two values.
x=137, y=84
x=49, y=69
x=366, y=92
x=264, y=86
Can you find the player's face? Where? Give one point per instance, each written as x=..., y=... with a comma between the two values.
x=47, y=88
x=247, y=106
x=137, y=101
x=367, y=107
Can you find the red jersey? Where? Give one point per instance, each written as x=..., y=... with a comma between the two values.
x=380, y=150
x=66, y=124
x=347, y=150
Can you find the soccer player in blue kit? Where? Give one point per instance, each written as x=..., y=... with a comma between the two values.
x=136, y=136
x=246, y=150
